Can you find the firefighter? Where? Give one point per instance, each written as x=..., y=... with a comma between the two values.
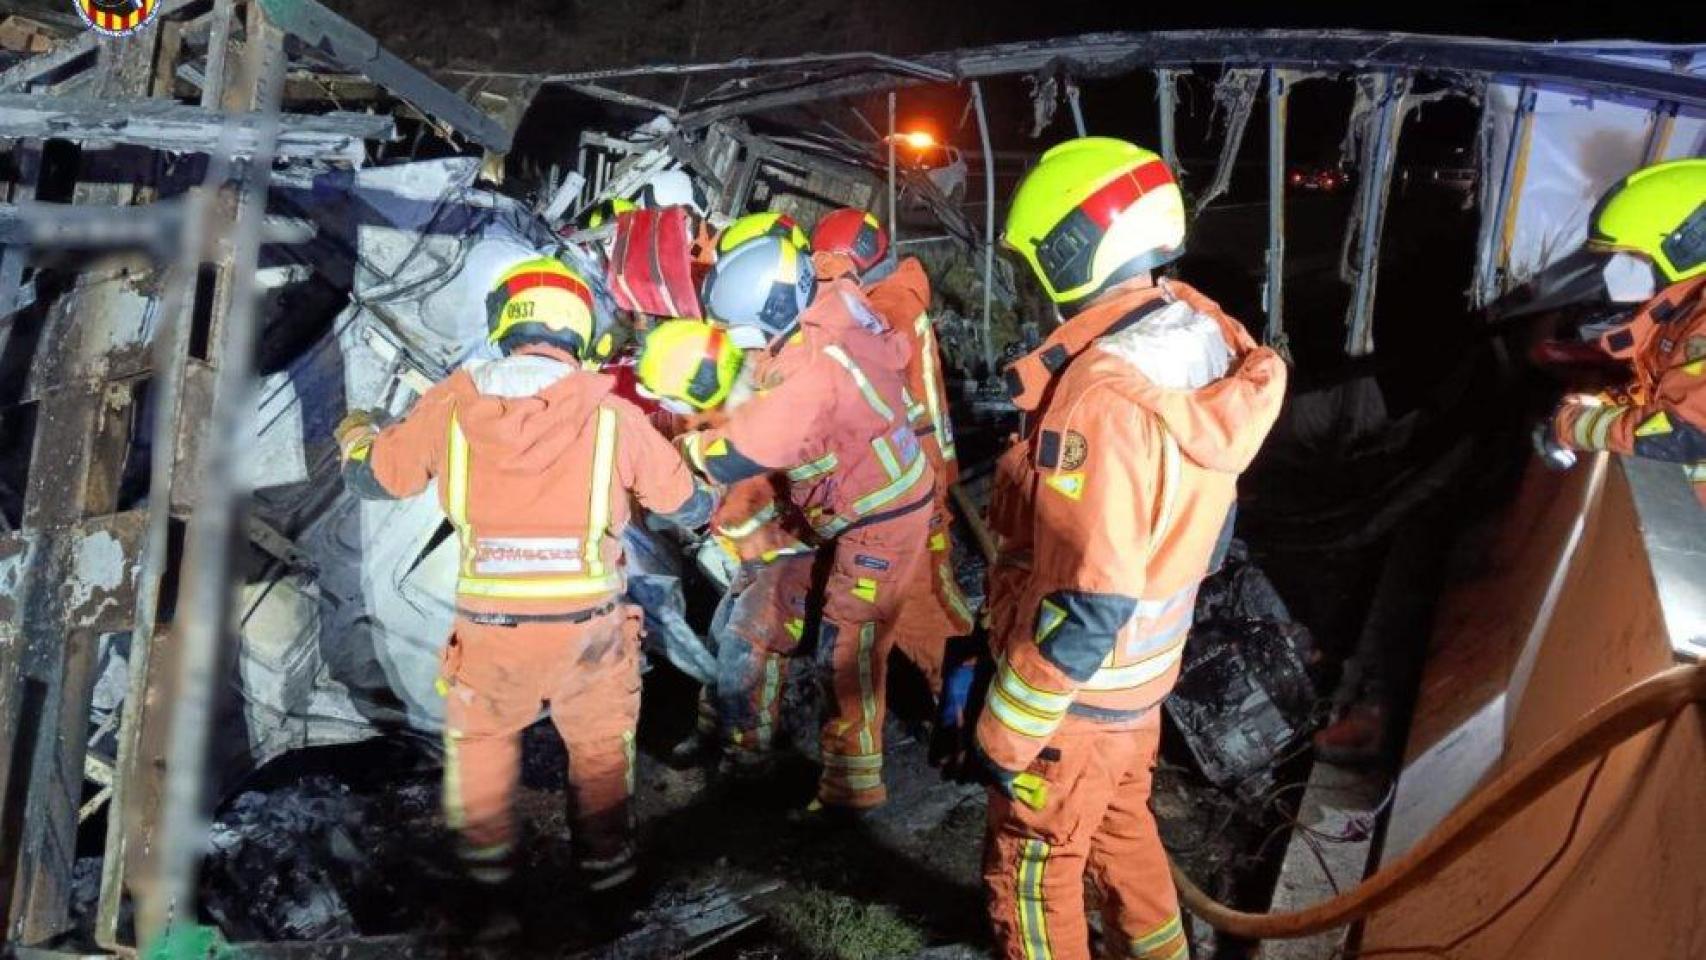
x=853, y=243
x=759, y=549
x=830, y=415
x=1139, y=412
x=1652, y=227
x=535, y=461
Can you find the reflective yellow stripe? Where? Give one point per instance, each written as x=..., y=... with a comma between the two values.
x=767, y=695
x=1033, y=923
x=951, y=590
x=456, y=491
x=1017, y=718
x=628, y=760
x=872, y=397
x=454, y=815
x=603, y=474
x=544, y=589
x=1170, y=458
x=853, y=761
x=750, y=525
x=887, y=494
x=816, y=468
x=1043, y=703
x=885, y=453
x=1145, y=946
x=865, y=589
x=935, y=404
x=1136, y=674
x=1593, y=427
x=867, y=689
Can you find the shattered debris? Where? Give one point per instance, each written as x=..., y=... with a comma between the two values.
x=1246, y=694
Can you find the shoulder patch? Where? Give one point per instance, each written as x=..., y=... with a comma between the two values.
x=1069, y=485
x=1656, y=425
x=1074, y=450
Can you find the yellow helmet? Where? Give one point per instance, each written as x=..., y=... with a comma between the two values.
x=766, y=224
x=690, y=365
x=1658, y=212
x=541, y=301
x=1093, y=212
x=608, y=211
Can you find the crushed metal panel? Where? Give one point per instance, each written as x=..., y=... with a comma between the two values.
x=1235, y=94
x=349, y=45
x=180, y=128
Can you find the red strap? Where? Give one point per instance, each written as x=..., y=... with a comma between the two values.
x=1123, y=191
x=534, y=280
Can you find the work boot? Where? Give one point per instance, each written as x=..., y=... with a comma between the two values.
x=1357, y=738
x=745, y=767
x=818, y=815
x=486, y=914
x=698, y=750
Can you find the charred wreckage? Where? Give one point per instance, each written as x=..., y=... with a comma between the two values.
x=225, y=230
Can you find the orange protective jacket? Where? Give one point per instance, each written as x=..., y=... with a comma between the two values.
x=1661, y=415
x=535, y=460
x=754, y=520
x=903, y=299
x=1109, y=509
x=831, y=415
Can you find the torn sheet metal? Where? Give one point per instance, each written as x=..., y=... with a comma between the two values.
x=356, y=49
x=180, y=128
x=1234, y=96
x=1376, y=121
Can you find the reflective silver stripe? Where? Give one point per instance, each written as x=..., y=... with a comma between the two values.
x=1154, y=609
x=816, y=468
x=872, y=397
x=1016, y=713
x=498, y=555
x=1137, y=674
x=1695, y=472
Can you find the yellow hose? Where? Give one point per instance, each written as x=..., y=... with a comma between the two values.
x=1636, y=708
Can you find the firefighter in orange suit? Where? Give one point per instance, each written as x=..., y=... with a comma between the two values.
x=1652, y=225
x=853, y=243
x=1140, y=411
x=830, y=415
x=535, y=460
x=759, y=549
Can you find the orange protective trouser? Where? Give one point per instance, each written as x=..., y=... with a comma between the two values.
x=497, y=679
x=1094, y=818
x=873, y=569
x=757, y=628
x=933, y=608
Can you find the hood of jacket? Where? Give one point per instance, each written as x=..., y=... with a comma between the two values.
x=528, y=410
x=840, y=313
x=1187, y=361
